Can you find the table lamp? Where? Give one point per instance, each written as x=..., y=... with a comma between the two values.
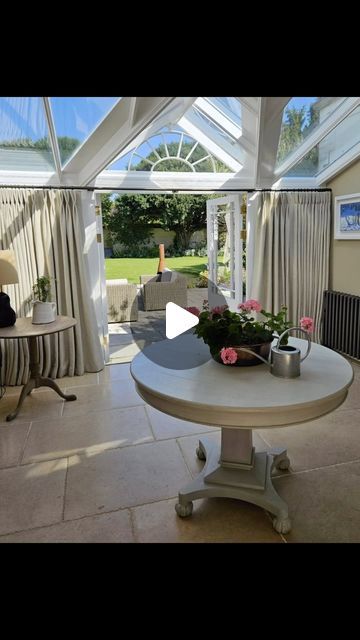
x=8, y=275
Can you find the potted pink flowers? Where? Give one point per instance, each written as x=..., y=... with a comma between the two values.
x=227, y=331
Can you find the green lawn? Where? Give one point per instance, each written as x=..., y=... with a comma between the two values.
x=133, y=268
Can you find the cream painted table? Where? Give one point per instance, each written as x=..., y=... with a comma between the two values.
x=23, y=328
x=238, y=399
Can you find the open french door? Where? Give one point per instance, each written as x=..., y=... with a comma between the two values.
x=226, y=244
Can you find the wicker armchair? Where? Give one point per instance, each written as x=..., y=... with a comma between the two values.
x=122, y=301
x=156, y=295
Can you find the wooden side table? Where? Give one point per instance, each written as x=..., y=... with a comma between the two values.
x=25, y=329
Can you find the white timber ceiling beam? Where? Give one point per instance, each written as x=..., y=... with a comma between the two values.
x=267, y=138
x=53, y=136
x=172, y=181
x=321, y=131
x=120, y=127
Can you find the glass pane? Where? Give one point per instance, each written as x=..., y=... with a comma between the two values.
x=340, y=140
x=75, y=119
x=231, y=107
x=301, y=117
x=24, y=140
x=216, y=130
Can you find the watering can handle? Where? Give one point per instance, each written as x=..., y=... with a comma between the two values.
x=254, y=354
x=307, y=337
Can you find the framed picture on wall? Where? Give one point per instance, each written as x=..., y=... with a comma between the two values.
x=347, y=217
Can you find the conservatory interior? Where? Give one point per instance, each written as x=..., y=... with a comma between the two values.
x=166, y=444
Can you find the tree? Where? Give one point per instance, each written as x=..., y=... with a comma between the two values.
x=66, y=145
x=132, y=217
x=297, y=125
x=183, y=214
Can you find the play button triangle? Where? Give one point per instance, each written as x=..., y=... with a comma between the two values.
x=178, y=320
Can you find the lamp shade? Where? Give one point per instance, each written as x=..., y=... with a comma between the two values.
x=8, y=270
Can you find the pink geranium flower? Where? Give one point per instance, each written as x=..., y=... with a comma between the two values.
x=250, y=305
x=307, y=323
x=194, y=310
x=219, y=310
x=228, y=355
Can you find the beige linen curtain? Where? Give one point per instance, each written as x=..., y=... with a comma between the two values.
x=291, y=254
x=44, y=229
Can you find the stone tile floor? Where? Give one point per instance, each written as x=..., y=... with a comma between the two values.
x=107, y=468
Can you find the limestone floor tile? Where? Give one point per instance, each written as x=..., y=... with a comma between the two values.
x=12, y=441
x=108, y=527
x=123, y=477
x=188, y=446
x=46, y=404
x=84, y=434
x=77, y=381
x=212, y=520
x=117, y=394
x=165, y=426
x=32, y=495
x=353, y=399
x=323, y=504
x=331, y=439
x=115, y=372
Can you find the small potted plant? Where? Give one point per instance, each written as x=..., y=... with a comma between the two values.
x=228, y=332
x=44, y=310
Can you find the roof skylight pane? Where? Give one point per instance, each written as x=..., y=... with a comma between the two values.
x=338, y=142
x=301, y=117
x=24, y=140
x=217, y=131
x=75, y=119
x=231, y=107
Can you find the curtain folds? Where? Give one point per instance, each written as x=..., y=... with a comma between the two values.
x=292, y=246
x=44, y=229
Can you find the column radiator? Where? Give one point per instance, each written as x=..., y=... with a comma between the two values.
x=341, y=323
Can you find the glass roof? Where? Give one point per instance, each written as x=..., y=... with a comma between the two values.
x=338, y=142
x=252, y=140
x=75, y=119
x=301, y=117
x=24, y=139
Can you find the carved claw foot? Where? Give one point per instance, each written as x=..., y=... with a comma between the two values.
x=282, y=525
x=184, y=510
x=283, y=464
x=200, y=453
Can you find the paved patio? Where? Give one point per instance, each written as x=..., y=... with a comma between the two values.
x=126, y=339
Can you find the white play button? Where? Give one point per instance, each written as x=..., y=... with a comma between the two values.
x=178, y=320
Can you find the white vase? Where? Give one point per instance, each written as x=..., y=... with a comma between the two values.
x=43, y=312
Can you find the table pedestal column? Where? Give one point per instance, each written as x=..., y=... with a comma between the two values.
x=36, y=380
x=236, y=471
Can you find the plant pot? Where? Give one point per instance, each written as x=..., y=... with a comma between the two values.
x=244, y=358
x=43, y=312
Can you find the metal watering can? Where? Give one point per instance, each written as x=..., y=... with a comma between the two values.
x=284, y=361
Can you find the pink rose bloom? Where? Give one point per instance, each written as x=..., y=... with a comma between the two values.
x=228, y=355
x=250, y=305
x=194, y=310
x=219, y=310
x=307, y=324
